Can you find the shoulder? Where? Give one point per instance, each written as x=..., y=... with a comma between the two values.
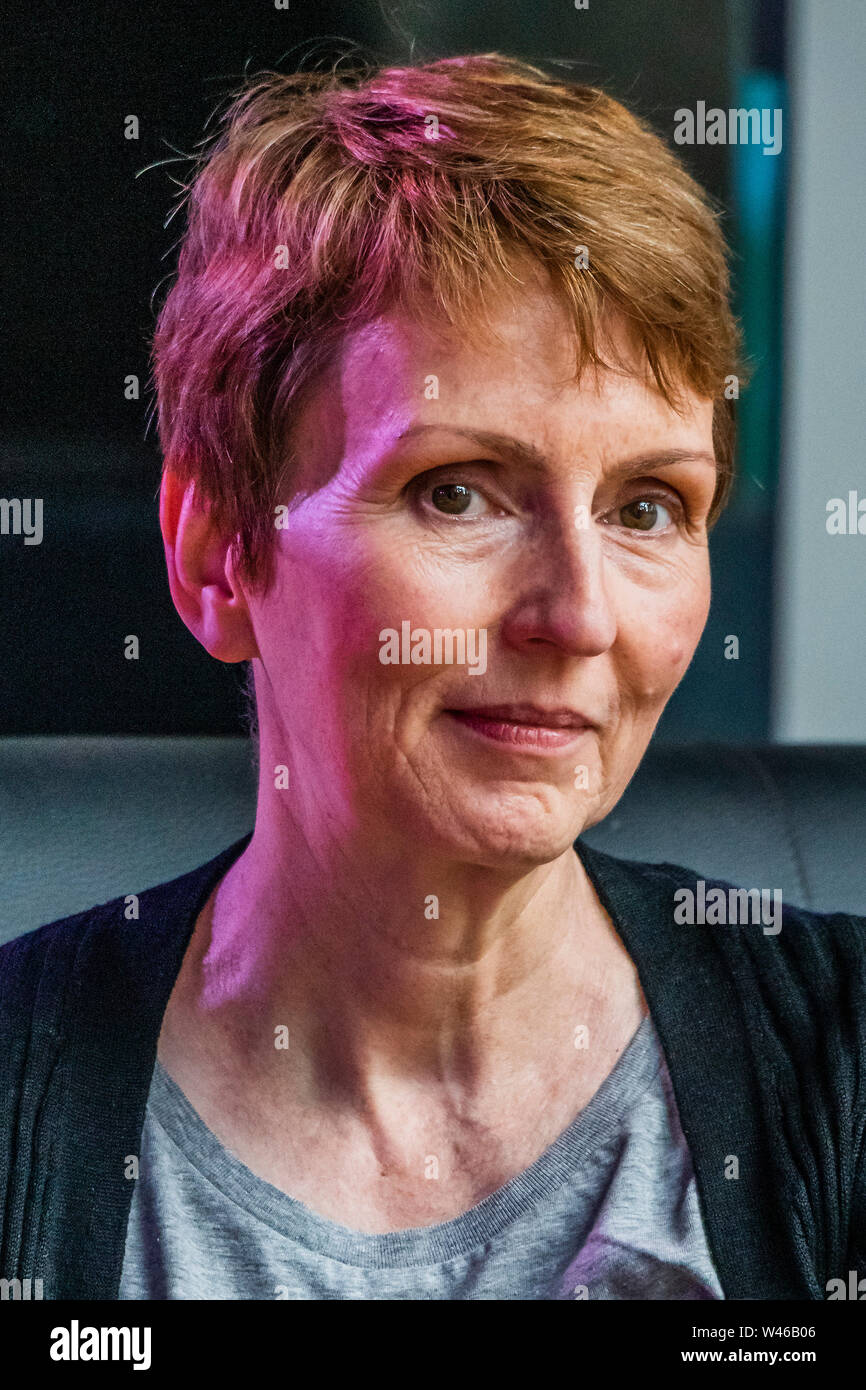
x=766, y=996
x=35, y=967
x=750, y=928
x=692, y=897
x=731, y=908
x=44, y=983
x=131, y=942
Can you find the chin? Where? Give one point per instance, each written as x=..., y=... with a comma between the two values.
x=518, y=830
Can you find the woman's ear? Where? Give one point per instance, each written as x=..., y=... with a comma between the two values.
x=201, y=575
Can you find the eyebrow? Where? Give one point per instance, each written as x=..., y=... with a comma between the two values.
x=527, y=456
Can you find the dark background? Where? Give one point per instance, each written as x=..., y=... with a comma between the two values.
x=87, y=260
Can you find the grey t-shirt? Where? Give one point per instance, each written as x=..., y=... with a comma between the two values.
x=609, y=1211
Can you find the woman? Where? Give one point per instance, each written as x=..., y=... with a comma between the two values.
x=442, y=397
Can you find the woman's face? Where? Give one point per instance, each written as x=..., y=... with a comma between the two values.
x=558, y=529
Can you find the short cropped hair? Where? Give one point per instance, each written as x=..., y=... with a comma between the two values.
x=329, y=198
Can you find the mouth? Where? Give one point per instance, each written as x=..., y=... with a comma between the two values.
x=524, y=726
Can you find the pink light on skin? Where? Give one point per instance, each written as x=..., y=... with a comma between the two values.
x=320, y=924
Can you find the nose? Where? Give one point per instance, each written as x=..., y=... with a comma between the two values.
x=563, y=599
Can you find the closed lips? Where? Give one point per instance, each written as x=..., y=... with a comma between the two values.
x=526, y=714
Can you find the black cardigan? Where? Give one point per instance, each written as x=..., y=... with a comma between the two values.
x=764, y=1036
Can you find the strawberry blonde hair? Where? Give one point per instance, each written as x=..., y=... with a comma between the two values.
x=328, y=198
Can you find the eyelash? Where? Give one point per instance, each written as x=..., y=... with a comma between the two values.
x=671, y=500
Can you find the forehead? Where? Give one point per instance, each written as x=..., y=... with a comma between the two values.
x=403, y=370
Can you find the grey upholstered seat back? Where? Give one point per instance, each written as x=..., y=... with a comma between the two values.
x=85, y=819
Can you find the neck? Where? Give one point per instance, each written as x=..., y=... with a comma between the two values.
x=402, y=965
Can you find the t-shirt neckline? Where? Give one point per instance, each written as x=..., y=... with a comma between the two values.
x=598, y=1121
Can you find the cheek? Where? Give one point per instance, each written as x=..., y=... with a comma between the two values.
x=403, y=584
x=355, y=597
x=662, y=638
x=327, y=604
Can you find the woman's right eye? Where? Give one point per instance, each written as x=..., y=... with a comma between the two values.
x=455, y=499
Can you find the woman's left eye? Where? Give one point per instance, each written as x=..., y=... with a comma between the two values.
x=645, y=514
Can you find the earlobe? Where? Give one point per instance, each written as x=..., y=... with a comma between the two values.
x=204, y=585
